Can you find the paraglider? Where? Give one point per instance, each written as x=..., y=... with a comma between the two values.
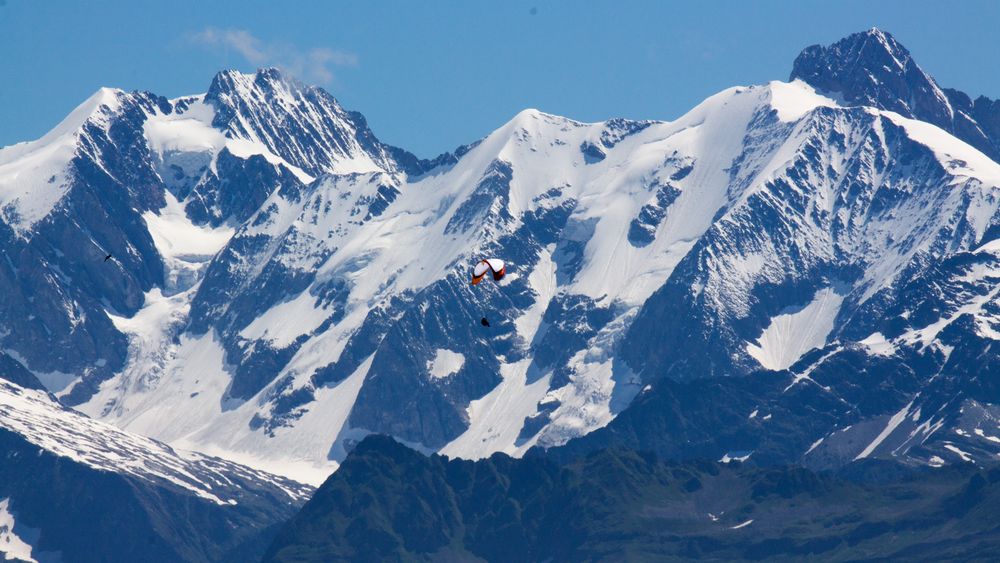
x=493, y=266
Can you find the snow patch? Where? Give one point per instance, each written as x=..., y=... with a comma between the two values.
x=55, y=381
x=878, y=345
x=183, y=132
x=735, y=456
x=445, y=363
x=16, y=541
x=979, y=432
x=177, y=237
x=794, y=99
x=965, y=457
x=793, y=333
x=496, y=420
x=890, y=427
x=815, y=445
x=542, y=280
x=282, y=324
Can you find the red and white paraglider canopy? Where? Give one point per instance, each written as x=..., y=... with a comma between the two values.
x=494, y=265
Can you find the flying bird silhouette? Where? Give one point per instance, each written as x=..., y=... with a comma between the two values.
x=108, y=257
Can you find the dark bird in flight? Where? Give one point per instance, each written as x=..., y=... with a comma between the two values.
x=484, y=322
x=108, y=257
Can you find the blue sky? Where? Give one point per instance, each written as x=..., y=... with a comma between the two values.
x=433, y=75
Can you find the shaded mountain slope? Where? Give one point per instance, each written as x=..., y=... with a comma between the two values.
x=389, y=502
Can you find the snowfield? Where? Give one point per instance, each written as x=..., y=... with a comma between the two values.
x=16, y=542
x=793, y=333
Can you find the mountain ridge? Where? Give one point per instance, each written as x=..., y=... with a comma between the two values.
x=872, y=68
x=285, y=307
x=72, y=488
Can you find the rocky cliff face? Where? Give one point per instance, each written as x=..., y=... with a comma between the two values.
x=873, y=69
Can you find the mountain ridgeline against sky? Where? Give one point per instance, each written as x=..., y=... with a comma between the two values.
x=797, y=272
x=873, y=69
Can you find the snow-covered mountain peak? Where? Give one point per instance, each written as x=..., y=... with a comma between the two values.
x=97, y=109
x=532, y=119
x=233, y=87
x=873, y=52
x=304, y=125
x=35, y=175
x=873, y=69
x=875, y=38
